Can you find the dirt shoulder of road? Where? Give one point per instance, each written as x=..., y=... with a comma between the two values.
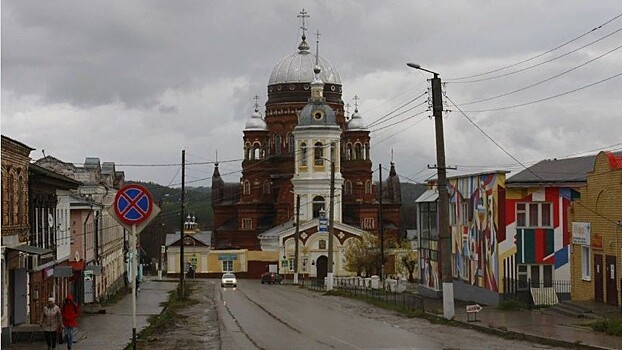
x=185, y=324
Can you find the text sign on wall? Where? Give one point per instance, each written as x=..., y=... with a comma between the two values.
x=581, y=232
x=227, y=257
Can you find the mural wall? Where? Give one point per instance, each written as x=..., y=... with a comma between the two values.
x=541, y=243
x=477, y=207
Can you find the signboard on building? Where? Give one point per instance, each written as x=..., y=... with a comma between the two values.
x=581, y=233
x=322, y=224
x=226, y=257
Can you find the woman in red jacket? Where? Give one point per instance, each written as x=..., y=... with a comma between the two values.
x=70, y=313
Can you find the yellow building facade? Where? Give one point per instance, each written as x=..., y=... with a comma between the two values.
x=596, y=227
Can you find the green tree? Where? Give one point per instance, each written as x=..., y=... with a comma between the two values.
x=363, y=255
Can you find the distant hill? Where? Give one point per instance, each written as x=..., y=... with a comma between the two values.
x=410, y=193
x=198, y=201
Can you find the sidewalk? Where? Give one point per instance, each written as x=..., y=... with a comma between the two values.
x=541, y=323
x=113, y=330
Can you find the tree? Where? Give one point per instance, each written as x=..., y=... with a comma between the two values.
x=363, y=255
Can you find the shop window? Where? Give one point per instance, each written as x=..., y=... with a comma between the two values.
x=227, y=265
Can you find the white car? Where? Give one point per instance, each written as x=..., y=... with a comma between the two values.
x=228, y=280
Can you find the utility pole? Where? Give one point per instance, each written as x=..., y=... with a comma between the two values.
x=443, y=197
x=380, y=223
x=296, y=237
x=181, y=227
x=331, y=218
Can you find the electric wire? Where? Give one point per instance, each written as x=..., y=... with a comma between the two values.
x=546, y=98
x=543, y=53
x=541, y=81
x=397, y=109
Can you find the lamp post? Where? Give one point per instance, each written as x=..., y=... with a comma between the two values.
x=443, y=197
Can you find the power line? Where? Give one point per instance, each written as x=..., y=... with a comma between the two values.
x=399, y=121
x=543, y=53
x=397, y=115
x=542, y=81
x=546, y=98
x=398, y=108
x=402, y=130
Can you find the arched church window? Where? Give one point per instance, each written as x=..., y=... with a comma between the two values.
x=266, y=187
x=277, y=144
x=367, y=151
x=322, y=244
x=349, y=151
x=318, y=153
x=357, y=151
x=290, y=143
x=257, y=151
x=246, y=152
x=247, y=187
x=318, y=204
x=11, y=198
x=348, y=185
x=303, y=154
x=367, y=187
x=21, y=203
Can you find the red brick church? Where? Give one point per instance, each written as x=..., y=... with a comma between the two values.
x=287, y=153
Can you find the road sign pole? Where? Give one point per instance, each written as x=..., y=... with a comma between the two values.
x=134, y=275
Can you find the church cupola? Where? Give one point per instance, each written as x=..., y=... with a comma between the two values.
x=218, y=186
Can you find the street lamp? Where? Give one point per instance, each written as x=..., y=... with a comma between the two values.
x=443, y=197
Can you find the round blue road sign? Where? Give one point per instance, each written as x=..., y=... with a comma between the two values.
x=133, y=204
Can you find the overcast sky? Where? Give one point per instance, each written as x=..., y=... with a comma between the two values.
x=135, y=82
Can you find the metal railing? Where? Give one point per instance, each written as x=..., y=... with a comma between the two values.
x=356, y=288
x=521, y=289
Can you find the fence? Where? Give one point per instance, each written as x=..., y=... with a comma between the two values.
x=521, y=289
x=357, y=288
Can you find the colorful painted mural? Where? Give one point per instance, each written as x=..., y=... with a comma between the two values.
x=537, y=217
x=477, y=203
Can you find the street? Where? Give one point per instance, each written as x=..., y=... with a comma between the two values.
x=256, y=316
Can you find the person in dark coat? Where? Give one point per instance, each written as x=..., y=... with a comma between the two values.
x=70, y=312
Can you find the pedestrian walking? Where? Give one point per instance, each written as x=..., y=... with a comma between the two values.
x=51, y=322
x=70, y=312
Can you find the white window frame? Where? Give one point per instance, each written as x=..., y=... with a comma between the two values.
x=368, y=223
x=526, y=211
x=227, y=265
x=586, y=261
x=247, y=224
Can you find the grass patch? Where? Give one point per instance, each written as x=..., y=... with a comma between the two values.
x=610, y=326
x=169, y=315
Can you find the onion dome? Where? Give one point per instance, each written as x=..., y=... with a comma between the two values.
x=317, y=114
x=256, y=122
x=298, y=68
x=356, y=122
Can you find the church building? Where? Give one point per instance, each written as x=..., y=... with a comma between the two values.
x=288, y=154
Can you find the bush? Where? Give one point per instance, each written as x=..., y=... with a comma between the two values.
x=611, y=326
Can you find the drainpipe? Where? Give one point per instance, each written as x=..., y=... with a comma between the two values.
x=84, y=254
x=96, y=226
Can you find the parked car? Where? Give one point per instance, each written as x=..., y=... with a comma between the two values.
x=271, y=278
x=228, y=280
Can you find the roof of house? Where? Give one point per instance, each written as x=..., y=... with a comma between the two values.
x=204, y=237
x=554, y=171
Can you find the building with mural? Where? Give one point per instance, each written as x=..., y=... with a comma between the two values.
x=538, y=199
x=478, y=236
x=596, y=223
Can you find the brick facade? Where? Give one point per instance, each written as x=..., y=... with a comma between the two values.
x=15, y=160
x=600, y=207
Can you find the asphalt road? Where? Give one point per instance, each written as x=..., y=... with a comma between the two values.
x=256, y=316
